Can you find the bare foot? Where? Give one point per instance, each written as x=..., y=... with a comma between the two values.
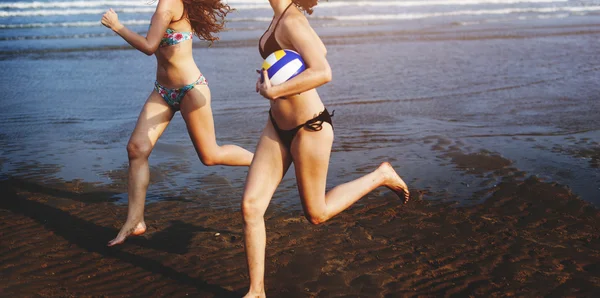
x=128, y=230
x=394, y=182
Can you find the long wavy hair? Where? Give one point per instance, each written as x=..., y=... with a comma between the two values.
x=207, y=17
x=306, y=5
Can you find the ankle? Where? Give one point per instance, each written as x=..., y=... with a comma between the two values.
x=135, y=221
x=257, y=292
x=381, y=176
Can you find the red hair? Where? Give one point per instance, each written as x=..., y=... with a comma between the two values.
x=206, y=17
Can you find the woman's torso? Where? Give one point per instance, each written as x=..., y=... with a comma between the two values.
x=175, y=63
x=292, y=110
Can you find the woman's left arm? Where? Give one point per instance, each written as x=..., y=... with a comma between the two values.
x=308, y=44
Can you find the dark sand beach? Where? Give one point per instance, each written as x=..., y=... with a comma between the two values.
x=490, y=112
x=528, y=238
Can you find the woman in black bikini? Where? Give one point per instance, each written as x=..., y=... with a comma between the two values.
x=299, y=130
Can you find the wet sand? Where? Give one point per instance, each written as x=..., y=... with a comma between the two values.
x=527, y=238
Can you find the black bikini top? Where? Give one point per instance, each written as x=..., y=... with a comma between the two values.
x=271, y=44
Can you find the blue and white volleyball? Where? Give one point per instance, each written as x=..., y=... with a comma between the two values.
x=282, y=65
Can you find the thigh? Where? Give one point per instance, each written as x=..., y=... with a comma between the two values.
x=311, y=151
x=152, y=121
x=270, y=163
x=197, y=113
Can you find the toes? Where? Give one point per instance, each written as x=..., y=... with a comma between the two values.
x=116, y=241
x=112, y=242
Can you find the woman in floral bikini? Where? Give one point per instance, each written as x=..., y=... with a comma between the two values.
x=179, y=86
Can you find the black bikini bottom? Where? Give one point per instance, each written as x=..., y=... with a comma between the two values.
x=314, y=124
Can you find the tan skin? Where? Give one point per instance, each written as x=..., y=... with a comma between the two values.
x=310, y=150
x=175, y=68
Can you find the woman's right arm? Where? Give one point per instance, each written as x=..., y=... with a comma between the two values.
x=307, y=43
x=160, y=22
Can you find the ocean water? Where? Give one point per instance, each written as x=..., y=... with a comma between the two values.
x=413, y=80
x=43, y=25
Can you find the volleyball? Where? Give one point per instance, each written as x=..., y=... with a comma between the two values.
x=283, y=65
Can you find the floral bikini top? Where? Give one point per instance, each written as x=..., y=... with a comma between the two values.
x=173, y=37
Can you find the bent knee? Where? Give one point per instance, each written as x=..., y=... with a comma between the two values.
x=210, y=157
x=137, y=150
x=316, y=219
x=208, y=160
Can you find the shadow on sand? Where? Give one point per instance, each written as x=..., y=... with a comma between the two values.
x=92, y=237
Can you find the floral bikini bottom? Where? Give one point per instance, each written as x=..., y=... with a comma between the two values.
x=173, y=97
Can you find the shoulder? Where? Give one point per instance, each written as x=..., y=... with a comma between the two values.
x=294, y=21
x=168, y=5
x=168, y=9
x=296, y=29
